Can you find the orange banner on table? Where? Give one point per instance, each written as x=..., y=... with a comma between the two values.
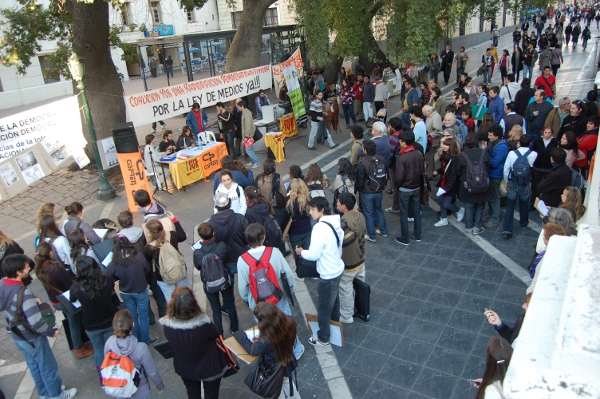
x=210, y=159
x=288, y=126
x=134, y=176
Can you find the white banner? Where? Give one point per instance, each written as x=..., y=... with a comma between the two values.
x=56, y=123
x=167, y=102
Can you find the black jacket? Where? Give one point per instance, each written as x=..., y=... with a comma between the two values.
x=257, y=213
x=132, y=278
x=552, y=187
x=222, y=222
x=522, y=99
x=451, y=175
x=409, y=169
x=535, y=124
x=218, y=248
x=542, y=161
x=576, y=124
x=362, y=178
x=97, y=312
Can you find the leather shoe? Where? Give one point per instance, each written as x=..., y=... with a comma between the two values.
x=83, y=352
x=506, y=236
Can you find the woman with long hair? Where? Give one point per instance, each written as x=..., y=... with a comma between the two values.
x=124, y=343
x=75, y=220
x=235, y=193
x=347, y=96
x=425, y=93
x=50, y=233
x=80, y=246
x=572, y=201
x=316, y=180
x=497, y=359
x=56, y=281
x=131, y=269
x=240, y=167
x=513, y=136
x=275, y=341
x=344, y=182
x=242, y=179
x=486, y=122
x=434, y=67
x=504, y=64
x=156, y=237
x=95, y=291
x=482, y=103
x=568, y=142
x=259, y=208
x=516, y=62
x=449, y=184
x=437, y=101
x=297, y=214
x=186, y=139
x=47, y=208
x=192, y=336
x=270, y=185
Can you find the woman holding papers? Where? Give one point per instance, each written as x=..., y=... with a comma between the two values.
x=56, y=281
x=275, y=342
x=196, y=357
x=450, y=181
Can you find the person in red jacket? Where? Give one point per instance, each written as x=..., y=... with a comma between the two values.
x=589, y=139
x=358, y=97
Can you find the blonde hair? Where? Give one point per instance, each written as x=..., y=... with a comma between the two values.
x=298, y=192
x=47, y=208
x=515, y=133
x=4, y=240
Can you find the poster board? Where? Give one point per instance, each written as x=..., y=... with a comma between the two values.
x=335, y=327
x=134, y=176
x=238, y=350
x=108, y=152
x=24, y=169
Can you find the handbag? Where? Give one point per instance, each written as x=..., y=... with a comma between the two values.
x=305, y=268
x=232, y=367
x=257, y=135
x=267, y=380
x=425, y=189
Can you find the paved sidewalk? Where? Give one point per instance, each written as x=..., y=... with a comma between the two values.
x=427, y=333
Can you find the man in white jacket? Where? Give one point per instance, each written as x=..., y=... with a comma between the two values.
x=326, y=249
x=509, y=90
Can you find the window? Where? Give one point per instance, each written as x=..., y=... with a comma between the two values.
x=46, y=67
x=190, y=16
x=155, y=11
x=236, y=18
x=125, y=14
x=271, y=17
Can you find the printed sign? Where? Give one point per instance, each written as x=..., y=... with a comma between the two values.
x=295, y=60
x=134, y=176
x=288, y=126
x=211, y=159
x=57, y=122
x=159, y=104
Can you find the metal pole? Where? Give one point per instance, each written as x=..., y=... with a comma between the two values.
x=106, y=192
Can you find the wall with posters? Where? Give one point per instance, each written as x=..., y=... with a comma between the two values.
x=167, y=102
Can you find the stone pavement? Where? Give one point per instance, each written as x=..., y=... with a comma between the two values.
x=427, y=333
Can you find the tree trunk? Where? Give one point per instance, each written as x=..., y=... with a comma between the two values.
x=369, y=63
x=330, y=74
x=244, y=51
x=481, y=16
x=102, y=83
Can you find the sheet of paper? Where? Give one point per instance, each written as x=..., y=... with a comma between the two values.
x=335, y=337
x=67, y=294
x=107, y=260
x=197, y=245
x=101, y=233
x=252, y=333
x=541, y=206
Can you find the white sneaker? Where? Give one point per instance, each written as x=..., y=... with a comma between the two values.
x=460, y=215
x=256, y=165
x=441, y=223
x=369, y=238
x=301, y=353
x=348, y=320
x=68, y=394
x=249, y=163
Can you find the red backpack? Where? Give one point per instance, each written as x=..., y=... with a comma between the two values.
x=264, y=286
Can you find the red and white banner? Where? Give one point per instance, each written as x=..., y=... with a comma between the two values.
x=164, y=103
x=279, y=75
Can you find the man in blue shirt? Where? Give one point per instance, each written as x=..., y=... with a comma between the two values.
x=496, y=105
x=420, y=130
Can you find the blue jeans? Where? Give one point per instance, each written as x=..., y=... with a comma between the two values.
x=374, y=213
x=329, y=305
x=252, y=154
x=349, y=112
x=229, y=302
x=515, y=192
x=494, y=200
x=314, y=127
x=299, y=240
x=445, y=204
x=169, y=69
x=527, y=71
x=459, y=70
x=74, y=325
x=42, y=365
x=473, y=214
x=486, y=76
x=410, y=203
x=167, y=289
x=98, y=339
x=368, y=110
x=138, y=305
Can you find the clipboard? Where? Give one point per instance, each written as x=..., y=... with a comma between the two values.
x=541, y=207
x=238, y=350
x=335, y=328
x=65, y=300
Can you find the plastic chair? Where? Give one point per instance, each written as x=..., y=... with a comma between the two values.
x=207, y=136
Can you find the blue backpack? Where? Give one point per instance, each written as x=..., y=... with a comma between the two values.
x=463, y=131
x=520, y=172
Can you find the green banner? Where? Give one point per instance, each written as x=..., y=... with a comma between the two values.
x=297, y=102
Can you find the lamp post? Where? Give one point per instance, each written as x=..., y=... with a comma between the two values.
x=77, y=68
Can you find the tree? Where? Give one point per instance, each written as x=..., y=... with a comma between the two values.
x=81, y=26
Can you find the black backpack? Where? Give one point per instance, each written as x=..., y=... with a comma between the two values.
x=520, y=172
x=273, y=235
x=377, y=174
x=277, y=199
x=213, y=273
x=477, y=179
